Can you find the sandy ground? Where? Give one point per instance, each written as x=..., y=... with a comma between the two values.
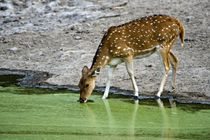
x=61, y=37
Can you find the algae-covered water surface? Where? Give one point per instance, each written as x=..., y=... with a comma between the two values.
x=32, y=113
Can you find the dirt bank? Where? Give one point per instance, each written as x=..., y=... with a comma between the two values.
x=61, y=37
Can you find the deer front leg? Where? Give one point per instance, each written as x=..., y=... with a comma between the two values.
x=130, y=70
x=109, y=77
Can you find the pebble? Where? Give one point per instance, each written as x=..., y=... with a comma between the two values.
x=77, y=38
x=150, y=65
x=8, y=20
x=3, y=8
x=14, y=49
x=189, y=39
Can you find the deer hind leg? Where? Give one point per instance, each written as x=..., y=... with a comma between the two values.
x=164, y=56
x=130, y=70
x=110, y=72
x=174, y=63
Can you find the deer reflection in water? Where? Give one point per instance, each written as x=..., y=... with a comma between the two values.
x=112, y=121
x=167, y=132
x=106, y=119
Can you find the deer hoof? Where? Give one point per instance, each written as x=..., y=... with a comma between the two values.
x=135, y=97
x=172, y=90
x=157, y=97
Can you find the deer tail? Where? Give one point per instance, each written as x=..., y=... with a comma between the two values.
x=182, y=33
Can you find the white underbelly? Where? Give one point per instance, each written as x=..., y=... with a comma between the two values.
x=115, y=61
x=143, y=56
x=148, y=54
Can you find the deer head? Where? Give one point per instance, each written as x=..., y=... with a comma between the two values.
x=87, y=83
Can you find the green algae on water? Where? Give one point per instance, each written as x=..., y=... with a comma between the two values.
x=57, y=115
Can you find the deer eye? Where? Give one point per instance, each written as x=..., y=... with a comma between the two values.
x=87, y=85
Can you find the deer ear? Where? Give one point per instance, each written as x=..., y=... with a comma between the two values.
x=96, y=72
x=85, y=70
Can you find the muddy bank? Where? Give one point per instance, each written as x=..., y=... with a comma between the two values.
x=60, y=37
x=37, y=80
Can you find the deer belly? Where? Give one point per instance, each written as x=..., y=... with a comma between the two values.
x=143, y=56
x=147, y=52
x=115, y=61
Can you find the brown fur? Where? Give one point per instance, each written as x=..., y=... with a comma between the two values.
x=138, y=38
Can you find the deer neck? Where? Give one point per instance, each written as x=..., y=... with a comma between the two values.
x=101, y=58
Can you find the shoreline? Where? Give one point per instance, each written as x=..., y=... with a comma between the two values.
x=37, y=79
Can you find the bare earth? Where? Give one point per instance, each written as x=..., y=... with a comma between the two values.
x=61, y=37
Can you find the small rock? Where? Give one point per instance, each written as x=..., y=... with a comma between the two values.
x=82, y=31
x=77, y=38
x=14, y=49
x=3, y=8
x=189, y=39
x=72, y=28
x=8, y=20
x=148, y=65
x=3, y=40
x=187, y=19
x=66, y=32
x=48, y=8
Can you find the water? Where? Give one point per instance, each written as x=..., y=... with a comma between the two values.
x=32, y=113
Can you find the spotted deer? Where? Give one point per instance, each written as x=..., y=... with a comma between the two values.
x=133, y=40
